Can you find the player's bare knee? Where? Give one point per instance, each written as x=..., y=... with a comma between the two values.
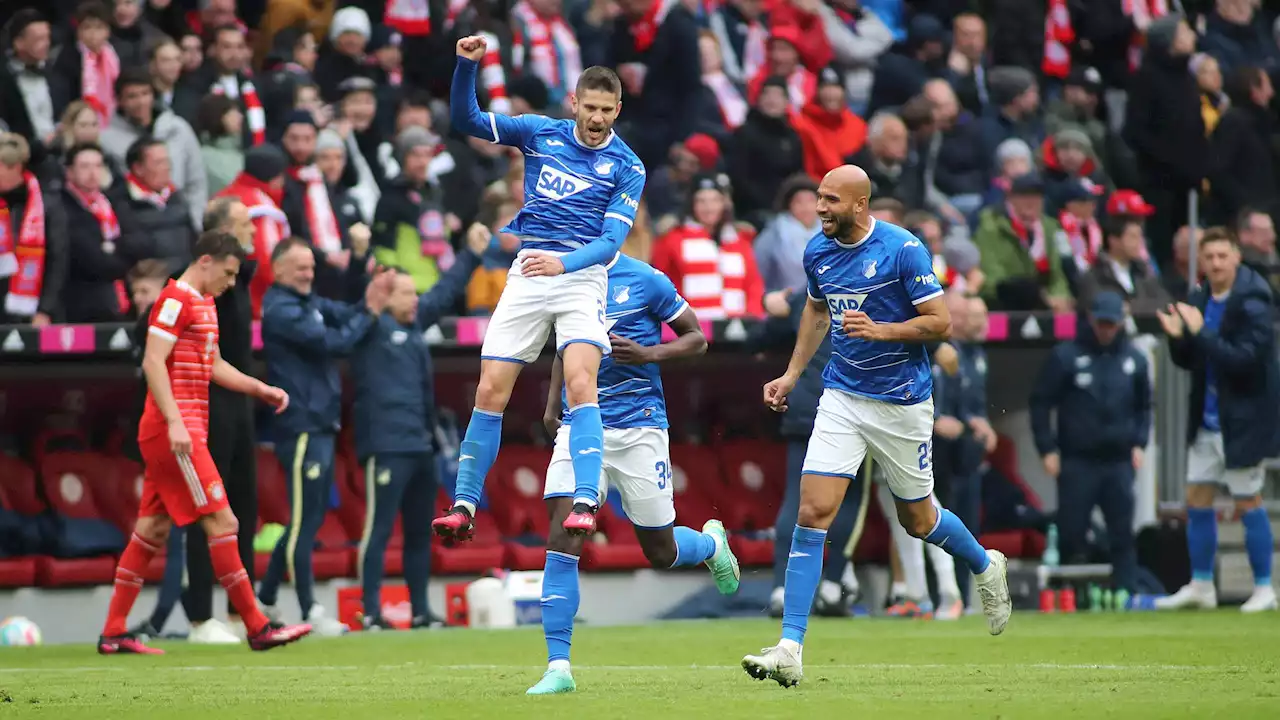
x=579, y=386
x=1247, y=503
x=917, y=518
x=497, y=380
x=1201, y=495
x=661, y=555
x=153, y=529
x=220, y=523
x=816, y=513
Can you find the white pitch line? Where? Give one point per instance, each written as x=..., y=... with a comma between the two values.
x=630, y=668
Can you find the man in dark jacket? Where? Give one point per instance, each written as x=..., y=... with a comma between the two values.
x=1121, y=268
x=1100, y=387
x=1225, y=335
x=303, y=335
x=764, y=151
x=1241, y=167
x=395, y=423
x=159, y=209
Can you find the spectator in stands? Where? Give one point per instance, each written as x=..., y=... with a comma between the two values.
x=901, y=76
x=1100, y=388
x=887, y=161
x=192, y=47
x=344, y=55
x=1019, y=247
x=225, y=72
x=722, y=107
x=261, y=188
x=490, y=279
x=1175, y=277
x=888, y=209
x=1013, y=159
x=357, y=111
x=783, y=61
x=709, y=260
x=545, y=47
x=1164, y=127
x=132, y=35
x=1069, y=161
x=302, y=17
x=219, y=126
x=655, y=50
x=741, y=29
x=89, y=66
x=394, y=418
x=765, y=151
x=288, y=66
x=165, y=65
x=1080, y=228
x=959, y=161
x=858, y=39
x=33, y=240
x=1123, y=269
x=1242, y=166
x=1238, y=36
x=1213, y=101
x=955, y=259
x=668, y=188
x=1077, y=108
x=30, y=95
x=967, y=63
x=409, y=228
x=1015, y=109
x=1257, y=234
x=828, y=130
x=80, y=125
x=138, y=117
x=102, y=248
x=303, y=336
x=779, y=249
x=160, y=209
x=1224, y=335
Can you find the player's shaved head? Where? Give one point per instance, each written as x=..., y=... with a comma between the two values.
x=843, y=197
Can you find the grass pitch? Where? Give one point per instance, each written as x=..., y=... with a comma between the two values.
x=1200, y=665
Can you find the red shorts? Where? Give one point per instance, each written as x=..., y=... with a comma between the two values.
x=183, y=487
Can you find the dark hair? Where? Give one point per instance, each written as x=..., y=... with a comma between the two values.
x=130, y=76
x=916, y=218
x=21, y=20
x=152, y=269
x=415, y=99
x=219, y=245
x=917, y=113
x=159, y=43
x=1245, y=216
x=1240, y=83
x=217, y=214
x=216, y=33
x=138, y=150
x=1115, y=226
x=93, y=10
x=286, y=245
x=69, y=157
x=599, y=78
x=893, y=205
x=209, y=115
x=1219, y=234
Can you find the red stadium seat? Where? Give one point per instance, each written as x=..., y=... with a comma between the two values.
x=73, y=480
x=697, y=483
x=58, y=439
x=52, y=572
x=19, y=491
x=273, y=488
x=1013, y=543
x=515, y=501
x=614, y=546
x=480, y=554
x=18, y=572
x=755, y=474
x=120, y=491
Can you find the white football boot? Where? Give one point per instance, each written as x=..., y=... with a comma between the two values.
x=777, y=663
x=1262, y=599
x=993, y=590
x=213, y=632
x=1197, y=594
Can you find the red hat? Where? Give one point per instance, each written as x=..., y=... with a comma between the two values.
x=1129, y=202
x=705, y=148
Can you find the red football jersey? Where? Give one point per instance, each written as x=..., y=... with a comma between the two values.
x=190, y=321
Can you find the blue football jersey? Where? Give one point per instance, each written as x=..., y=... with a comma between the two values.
x=641, y=301
x=885, y=276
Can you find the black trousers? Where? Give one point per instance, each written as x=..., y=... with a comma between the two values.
x=1084, y=484
x=231, y=444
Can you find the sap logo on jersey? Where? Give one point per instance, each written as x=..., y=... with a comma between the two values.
x=837, y=304
x=559, y=185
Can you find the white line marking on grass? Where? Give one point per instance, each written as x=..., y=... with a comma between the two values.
x=632, y=668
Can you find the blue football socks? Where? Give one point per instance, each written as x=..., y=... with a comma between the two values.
x=950, y=534
x=476, y=453
x=692, y=547
x=1258, y=543
x=586, y=446
x=559, y=605
x=804, y=572
x=1202, y=542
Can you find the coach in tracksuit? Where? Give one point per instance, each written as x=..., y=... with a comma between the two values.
x=394, y=425
x=303, y=336
x=1101, y=389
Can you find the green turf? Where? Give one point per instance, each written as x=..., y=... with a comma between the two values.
x=1199, y=665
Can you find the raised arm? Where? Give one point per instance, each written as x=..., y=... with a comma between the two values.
x=464, y=110
x=289, y=323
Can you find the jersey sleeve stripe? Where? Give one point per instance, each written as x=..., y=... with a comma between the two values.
x=930, y=296
x=163, y=334
x=620, y=218
x=493, y=126
x=684, y=305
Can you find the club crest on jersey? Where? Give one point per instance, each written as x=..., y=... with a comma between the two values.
x=559, y=185
x=869, y=269
x=622, y=294
x=838, y=304
x=603, y=167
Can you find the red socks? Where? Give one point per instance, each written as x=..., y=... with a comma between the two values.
x=133, y=563
x=225, y=554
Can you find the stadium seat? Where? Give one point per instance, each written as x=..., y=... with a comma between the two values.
x=755, y=475
x=18, y=572
x=273, y=488
x=515, y=501
x=70, y=481
x=1018, y=543
x=478, y=555
x=58, y=439
x=52, y=572
x=19, y=491
x=614, y=546
x=697, y=482
x=119, y=492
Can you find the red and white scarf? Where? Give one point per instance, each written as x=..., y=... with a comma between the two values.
x=23, y=261
x=1142, y=13
x=553, y=52
x=323, y=224
x=254, y=114
x=138, y=191
x=644, y=30
x=733, y=107
x=1032, y=240
x=1085, y=238
x=1058, y=37
x=98, y=73
x=100, y=207
x=276, y=228
x=413, y=17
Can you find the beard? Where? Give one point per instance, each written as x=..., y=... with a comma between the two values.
x=843, y=228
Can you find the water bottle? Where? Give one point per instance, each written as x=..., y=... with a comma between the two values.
x=1050, y=557
x=1106, y=600
x=1095, y=598
x=1122, y=600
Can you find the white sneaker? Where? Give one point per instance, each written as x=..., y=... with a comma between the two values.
x=324, y=626
x=213, y=632
x=775, y=663
x=993, y=591
x=1197, y=594
x=1262, y=599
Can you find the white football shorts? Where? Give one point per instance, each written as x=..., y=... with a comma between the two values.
x=1207, y=463
x=637, y=462
x=900, y=436
x=573, y=303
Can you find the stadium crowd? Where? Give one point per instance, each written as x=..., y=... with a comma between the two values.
x=1046, y=152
